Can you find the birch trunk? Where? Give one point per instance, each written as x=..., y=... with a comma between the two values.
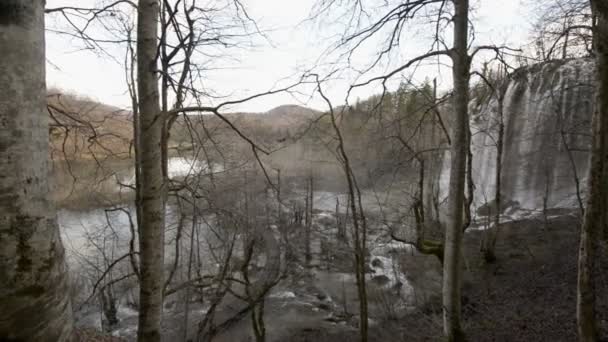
x=595, y=213
x=452, y=267
x=151, y=231
x=34, y=301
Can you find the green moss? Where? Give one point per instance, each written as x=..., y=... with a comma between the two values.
x=432, y=248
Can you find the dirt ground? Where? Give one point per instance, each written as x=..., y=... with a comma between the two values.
x=529, y=294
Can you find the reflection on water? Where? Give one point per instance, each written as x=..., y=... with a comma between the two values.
x=90, y=184
x=182, y=167
x=177, y=167
x=85, y=232
x=88, y=234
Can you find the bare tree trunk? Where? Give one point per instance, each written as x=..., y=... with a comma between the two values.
x=566, y=39
x=359, y=222
x=34, y=301
x=189, y=274
x=257, y=318
x=164, y=96
x=452, y=267
x=340, y=224
x=490, y=244
x=577, y=182
x=151, y=232
x=308, y=228
x=595, y=213
x=130, y=64
x=432, y=179
x=280, y=205
x=346, y=218
x=498, y=180
x=546, y=194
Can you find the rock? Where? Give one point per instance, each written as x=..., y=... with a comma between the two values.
x=380, y=280
x=507, y=207
x=334, y=319
x=326, y=220
x=324, y=306
x=377, y=263
x=283, y=295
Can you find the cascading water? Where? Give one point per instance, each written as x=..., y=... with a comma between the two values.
x=547, y=112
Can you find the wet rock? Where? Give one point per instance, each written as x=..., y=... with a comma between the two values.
x=326, y=220
x=339, y=317
x=507, y=206
x=377, y=263
x=322, y=296
x=397, y=286
x=380, y=280
x=324, y=306
x=283, y=295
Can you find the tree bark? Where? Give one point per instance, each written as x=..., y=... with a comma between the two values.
x=492, y=234
x=452, y=267
x=359, y=222
x=151, y=232
x=308, y=225
x=498, y=177
x=595, y=213
x=34, y=300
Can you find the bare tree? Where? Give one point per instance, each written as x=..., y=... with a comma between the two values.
x=452, y=268
x=562, y=29
x=394, y=20
x=595, y=219
x=151, y=231
x=34, y=300
x=498, y=89
x=359, y=221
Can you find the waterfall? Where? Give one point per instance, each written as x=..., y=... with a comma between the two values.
x=544, y=105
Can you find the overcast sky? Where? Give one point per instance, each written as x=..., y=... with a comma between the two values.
x=296, y=45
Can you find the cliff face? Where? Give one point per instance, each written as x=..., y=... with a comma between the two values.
x=547, y=112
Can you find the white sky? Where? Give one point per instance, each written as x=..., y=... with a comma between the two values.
x=295, y=47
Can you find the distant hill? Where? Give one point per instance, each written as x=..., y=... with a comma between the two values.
x=278, y=123
x=83, y=129
x=282, y=117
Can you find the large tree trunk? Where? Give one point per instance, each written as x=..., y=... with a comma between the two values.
x=34, y=301
x=452, y=267
x=595, y=213
x=151, y=232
